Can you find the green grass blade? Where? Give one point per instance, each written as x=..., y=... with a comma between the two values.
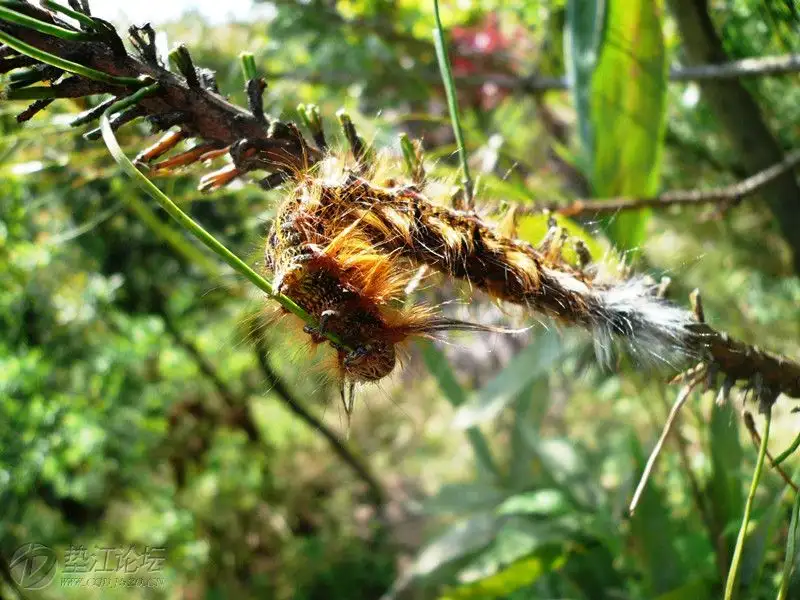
x=733, y=573
x=452, y=101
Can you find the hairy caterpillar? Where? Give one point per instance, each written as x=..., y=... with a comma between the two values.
x=353, y=289
x=377, y=233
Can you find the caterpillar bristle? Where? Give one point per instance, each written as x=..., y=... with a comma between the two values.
x=352, y=286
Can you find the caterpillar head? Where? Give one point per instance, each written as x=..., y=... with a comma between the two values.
x=370, y=362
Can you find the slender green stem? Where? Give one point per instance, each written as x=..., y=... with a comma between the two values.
x=733, y=573
x=12, y=16
x=81, y=18
x=452, y=102
x=185, y=220
x=788, y=452
x=66, y=65
x=791, y=550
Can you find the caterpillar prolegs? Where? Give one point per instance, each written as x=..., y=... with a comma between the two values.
x=344, y=249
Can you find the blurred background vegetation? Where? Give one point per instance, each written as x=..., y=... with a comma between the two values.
x=136, y=409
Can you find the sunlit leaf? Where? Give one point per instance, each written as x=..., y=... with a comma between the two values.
x=583, y=36
x=517, y=576
x=532, y=229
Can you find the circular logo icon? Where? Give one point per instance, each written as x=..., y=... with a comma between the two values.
x=33, y=566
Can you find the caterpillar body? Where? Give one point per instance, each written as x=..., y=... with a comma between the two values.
x=344, y=248
x=353, y=289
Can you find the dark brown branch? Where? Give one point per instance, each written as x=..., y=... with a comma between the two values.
x=235, y=404
x=729, y=194
x=205, y=114
x=743, y=362
x=377, y=493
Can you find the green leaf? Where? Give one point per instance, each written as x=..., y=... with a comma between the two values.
x=535, y=361
x=790, y=577
x=517, y=576
x=524, y=416
x=439, y=367
x=629, y=91
x=622, y=124
x=697, y=589
x=584, y=33
x=757, y=543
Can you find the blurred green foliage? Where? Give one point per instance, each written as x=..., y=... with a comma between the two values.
x=135, y=409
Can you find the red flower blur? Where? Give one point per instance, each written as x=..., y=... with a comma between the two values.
x=483, y=50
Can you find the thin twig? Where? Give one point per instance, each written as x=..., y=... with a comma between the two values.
x=756, y=438
x=733, y=573
x=731, y=194
x=377, y=493
x=698, y=497
x=683, y=395
x=767, y=66
x=236, y=404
